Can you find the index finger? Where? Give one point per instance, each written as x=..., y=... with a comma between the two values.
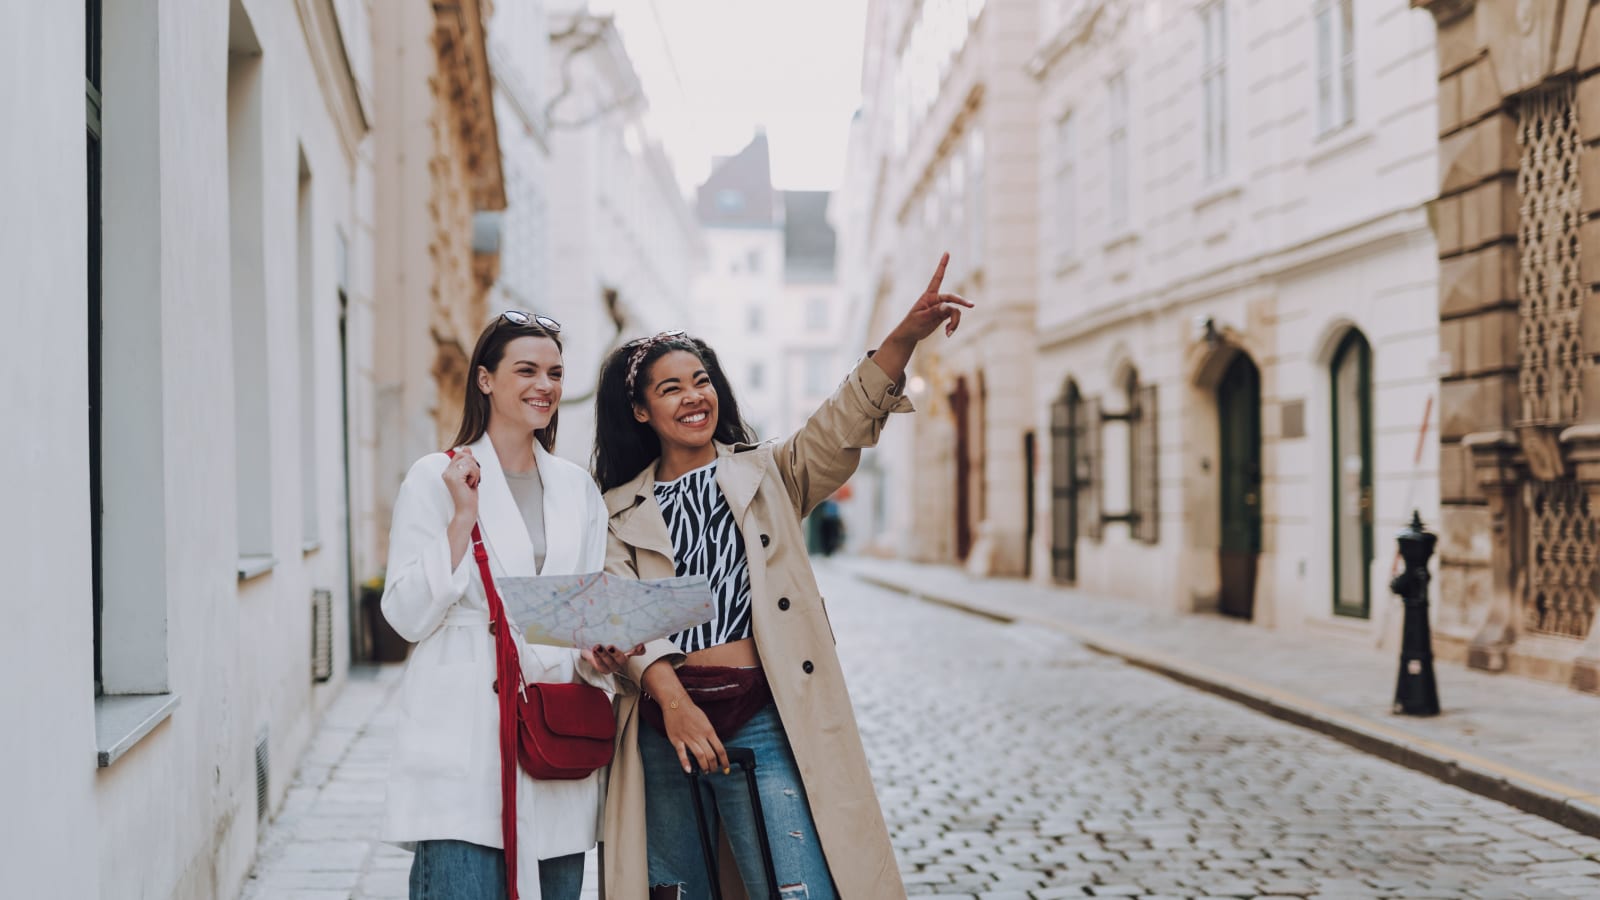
x=722, y=753
x=938, y=274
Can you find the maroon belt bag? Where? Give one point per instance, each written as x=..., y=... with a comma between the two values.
x=728, y=696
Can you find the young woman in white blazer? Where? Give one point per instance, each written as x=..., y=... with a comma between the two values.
x=539, y=515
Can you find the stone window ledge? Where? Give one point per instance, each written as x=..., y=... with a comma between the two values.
x=310, y=547
x=255, y=566
x=123, y=721
x=1337, y=143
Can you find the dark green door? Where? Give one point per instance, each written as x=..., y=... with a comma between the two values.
x=1066, y=420
x=1239, y=420
x=1352, y=477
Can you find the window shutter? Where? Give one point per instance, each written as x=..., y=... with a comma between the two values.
x=1146, y=469
x=1089, y=492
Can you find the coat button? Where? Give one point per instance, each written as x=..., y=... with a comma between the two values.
x=496, y=684
x=491, y=629
x=766, y=541
x=808, y=667
x=783, y=603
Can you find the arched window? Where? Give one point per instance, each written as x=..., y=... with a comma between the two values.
x=1351, y=372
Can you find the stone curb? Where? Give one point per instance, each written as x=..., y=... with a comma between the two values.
x=1562, y=804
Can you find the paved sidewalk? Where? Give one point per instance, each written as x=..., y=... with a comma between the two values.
x=321, y=845
x=1533, y=745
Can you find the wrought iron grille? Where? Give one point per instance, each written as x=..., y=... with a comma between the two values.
x=1559, y=591
x=1550, y=286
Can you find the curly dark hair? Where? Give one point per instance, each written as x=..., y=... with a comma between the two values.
x=624, y=446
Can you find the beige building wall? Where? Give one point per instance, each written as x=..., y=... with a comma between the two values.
x=949, y=151
x=1518, y=127
x=1167, y=256
x=436, y=169
x=229, y=212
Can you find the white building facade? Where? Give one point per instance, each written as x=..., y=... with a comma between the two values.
x=196, y=275
x=945, y=149
x=738, y=288
x=622, y=241
x=1237, y=332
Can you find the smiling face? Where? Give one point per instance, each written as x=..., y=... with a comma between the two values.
x=679, y=403
x=526, y=387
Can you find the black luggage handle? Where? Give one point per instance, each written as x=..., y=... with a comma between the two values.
x=744, y=758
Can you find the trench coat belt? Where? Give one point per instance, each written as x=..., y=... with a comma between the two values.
x=463, y=616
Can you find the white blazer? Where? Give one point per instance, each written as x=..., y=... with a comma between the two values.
x=444, y=779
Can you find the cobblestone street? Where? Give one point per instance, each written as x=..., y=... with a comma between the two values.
x=1013, y=763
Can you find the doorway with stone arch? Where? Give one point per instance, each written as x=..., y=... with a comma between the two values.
x=1066, y=449
x=1239, y=495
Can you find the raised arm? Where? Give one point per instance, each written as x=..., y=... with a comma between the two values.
x=824, y=453
x=426, y=574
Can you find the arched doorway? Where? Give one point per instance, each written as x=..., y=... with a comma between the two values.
x=1351, y=372
x=1066, y=432
x=1239, y=427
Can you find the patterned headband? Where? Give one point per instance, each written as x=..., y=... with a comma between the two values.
x=643, y=348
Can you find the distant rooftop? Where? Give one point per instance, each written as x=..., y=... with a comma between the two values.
x=739, y=192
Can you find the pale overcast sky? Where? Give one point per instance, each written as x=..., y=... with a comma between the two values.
x=716, y=69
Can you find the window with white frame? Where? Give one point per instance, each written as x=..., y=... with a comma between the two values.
x=1066, y=188
x=817, y=314
x=1336, y=64
x=1117, y=147
x=1214, y=85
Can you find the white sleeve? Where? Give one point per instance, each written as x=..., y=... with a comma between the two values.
x=420, y=586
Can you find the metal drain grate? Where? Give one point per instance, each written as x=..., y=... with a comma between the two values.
x=262, y=768
x=321, y=635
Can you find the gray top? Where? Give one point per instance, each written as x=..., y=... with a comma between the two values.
x=528, y=491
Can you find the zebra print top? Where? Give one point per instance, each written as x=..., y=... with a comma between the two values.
x=705, y=541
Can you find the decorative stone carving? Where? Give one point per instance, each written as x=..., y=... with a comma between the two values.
x=1583, y=443
x=1494, y=460
x=1531, y=40
x=1551, y=284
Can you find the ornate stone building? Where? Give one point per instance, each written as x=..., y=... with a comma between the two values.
x=438, y=190
x=1519, y=319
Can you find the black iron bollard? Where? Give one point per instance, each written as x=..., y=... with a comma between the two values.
x=1416, y=693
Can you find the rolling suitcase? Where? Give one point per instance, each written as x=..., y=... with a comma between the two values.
x=745, y=759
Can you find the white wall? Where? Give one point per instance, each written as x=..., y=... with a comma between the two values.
x=618, y=222
x=46, y=653
x=1304, y=237
x=175, y=816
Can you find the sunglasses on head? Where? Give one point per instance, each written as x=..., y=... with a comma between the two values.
x=658, y=337
x=518, y=317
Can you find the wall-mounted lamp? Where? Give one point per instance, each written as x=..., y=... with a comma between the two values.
x=1207, y=327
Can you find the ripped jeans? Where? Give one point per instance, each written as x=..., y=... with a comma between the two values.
x=674, y=848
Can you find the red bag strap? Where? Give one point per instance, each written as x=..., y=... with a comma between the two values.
x=508, y=684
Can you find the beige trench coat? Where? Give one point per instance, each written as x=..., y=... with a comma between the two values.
x=769, y=487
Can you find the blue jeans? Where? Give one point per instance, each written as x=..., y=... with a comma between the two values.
x=457, y=870
x=673, y=847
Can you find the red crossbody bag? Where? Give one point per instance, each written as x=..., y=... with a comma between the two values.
x=556, y=732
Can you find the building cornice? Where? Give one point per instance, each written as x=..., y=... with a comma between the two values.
x=460, y=40
x=1384, y=229
x=1445, y=10
x=1090, y=20
x=345, y=96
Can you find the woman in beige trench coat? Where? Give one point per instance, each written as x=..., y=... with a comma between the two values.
x=687, y=494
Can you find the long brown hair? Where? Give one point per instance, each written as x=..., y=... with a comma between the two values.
x=488, y=353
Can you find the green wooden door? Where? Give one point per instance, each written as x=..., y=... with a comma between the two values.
x=1352, y=477
x=1239, y=421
